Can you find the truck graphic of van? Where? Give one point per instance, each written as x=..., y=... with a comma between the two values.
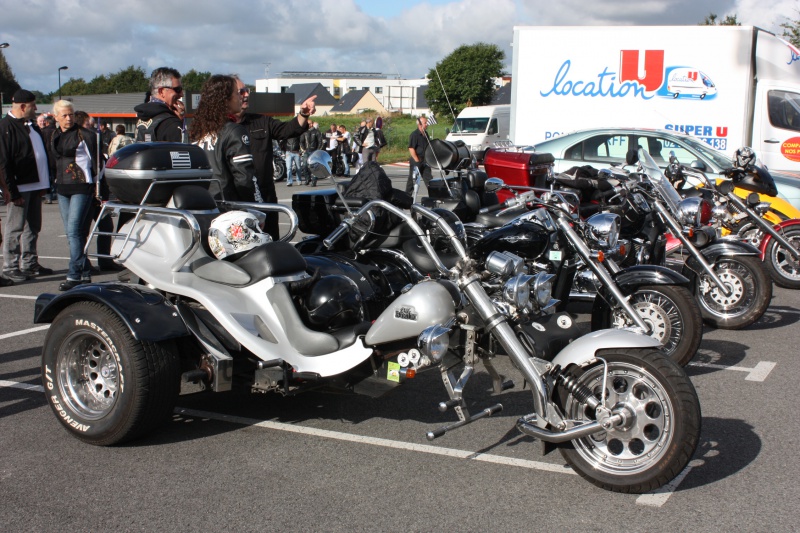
x=690, y=83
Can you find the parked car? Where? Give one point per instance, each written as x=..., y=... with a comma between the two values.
x=602, y=147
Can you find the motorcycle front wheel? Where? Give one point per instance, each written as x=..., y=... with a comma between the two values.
x=782, y=267
x=750, y=292
x=671, y=314
x=661, y=425
x=278, y=169
x=103, y=385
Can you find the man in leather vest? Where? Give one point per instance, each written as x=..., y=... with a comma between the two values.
x=25, y=175
x=157, y=120
x=263, y=130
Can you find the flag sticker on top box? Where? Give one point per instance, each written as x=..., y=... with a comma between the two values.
x=181, y=160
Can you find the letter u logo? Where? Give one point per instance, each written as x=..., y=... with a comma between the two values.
x=651, y=76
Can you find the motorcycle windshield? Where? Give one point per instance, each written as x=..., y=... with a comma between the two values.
x=660, y=182
x=757, y=180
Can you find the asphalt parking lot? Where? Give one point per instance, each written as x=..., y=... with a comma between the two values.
x=233, y=462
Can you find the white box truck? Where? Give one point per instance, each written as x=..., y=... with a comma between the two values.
x=480, y=126
x=730, y=86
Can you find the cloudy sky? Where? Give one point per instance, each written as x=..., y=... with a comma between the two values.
x=247, y=37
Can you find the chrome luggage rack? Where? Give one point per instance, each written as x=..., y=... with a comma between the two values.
x=113, y=209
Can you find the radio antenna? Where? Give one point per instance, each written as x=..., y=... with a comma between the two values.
x=452, y=113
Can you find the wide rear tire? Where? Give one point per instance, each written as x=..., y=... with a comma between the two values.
x=661, y=432
x=103, y=385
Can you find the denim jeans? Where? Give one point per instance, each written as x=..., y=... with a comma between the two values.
x=75, y=211
x=289, y=158
x=21, y=232
x=344, y=157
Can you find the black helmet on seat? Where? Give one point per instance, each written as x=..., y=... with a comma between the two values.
x=333, y=302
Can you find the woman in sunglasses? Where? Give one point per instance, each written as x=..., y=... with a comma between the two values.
x=225, y=141
x=157, y=118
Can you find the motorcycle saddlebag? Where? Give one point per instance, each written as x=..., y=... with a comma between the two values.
x=132, y=169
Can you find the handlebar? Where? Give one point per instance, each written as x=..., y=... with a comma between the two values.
x=337, y=234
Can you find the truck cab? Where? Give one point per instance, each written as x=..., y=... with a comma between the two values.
x=480, y=127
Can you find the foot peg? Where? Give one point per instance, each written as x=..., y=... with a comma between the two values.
x=489, y=411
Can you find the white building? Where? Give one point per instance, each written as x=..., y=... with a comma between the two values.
x=395, y=94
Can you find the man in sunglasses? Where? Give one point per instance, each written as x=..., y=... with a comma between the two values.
x=157, y=118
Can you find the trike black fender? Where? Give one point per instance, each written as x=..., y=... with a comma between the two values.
x=148, y=315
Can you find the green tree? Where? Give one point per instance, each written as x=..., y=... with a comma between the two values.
x=467, y=75
x=74, y=87
x=127, y=80
x=729, y=20
x=193, y=81
x=8, y=83
x=791, y=30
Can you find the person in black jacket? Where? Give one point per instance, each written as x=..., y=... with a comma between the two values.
x=25, y=174
x=226, y=143
x=263, y=130
x=75, y=165
x=157, y=118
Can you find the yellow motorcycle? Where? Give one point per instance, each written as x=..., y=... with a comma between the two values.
x=746, y=205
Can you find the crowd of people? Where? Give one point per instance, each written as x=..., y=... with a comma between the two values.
x=59, y=157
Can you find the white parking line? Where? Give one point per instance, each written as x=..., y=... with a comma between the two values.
x=18, y=296
x=24, y=332
x=375, y=441
x=654, y=499
x=757, y=373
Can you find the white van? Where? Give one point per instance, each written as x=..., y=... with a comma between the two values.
x=479, y=127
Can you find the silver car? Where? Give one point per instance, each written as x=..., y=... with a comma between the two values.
x=602, y=147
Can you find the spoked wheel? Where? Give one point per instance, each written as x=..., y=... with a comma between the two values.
x=750, y=292
x=660, y=424
x=104, y=386
x=278, y=169
x=672, y=316
x=783, y=268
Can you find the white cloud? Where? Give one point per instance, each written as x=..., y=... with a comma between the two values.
x=95, y=37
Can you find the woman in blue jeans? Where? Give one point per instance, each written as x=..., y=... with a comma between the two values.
x=73, y=150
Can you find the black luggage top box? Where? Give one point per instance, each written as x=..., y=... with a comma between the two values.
x=131, y=170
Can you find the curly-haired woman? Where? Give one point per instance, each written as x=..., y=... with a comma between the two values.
x=226, y=142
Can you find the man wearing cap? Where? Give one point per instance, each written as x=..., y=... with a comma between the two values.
x=157, y=118
x=25, y=176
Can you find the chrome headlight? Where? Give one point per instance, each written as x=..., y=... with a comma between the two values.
x=517, y=291
x=434, y=342
x=689, y=211
x=542, y=288
x=602, y=230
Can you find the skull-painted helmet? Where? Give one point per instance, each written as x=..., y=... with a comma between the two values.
x=744, y=158
x=235, y=232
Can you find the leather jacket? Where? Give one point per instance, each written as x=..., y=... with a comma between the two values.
x=17, y=159
x=229, y=154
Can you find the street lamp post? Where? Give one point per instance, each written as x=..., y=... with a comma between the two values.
x=59, y=80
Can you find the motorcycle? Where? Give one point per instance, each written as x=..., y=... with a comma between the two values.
x=777, y=238
x=117, y=355
x=726, y=275
x=278, y=162
x=538, y=225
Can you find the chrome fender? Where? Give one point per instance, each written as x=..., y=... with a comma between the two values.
x=583, y=350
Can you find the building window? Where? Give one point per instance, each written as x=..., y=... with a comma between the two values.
x=337, y=92
x=284, y=89
x=378, y=90
x=365, y=88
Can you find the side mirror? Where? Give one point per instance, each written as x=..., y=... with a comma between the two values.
x=447, y=131
x=698, y=165
x=493, y=185
x=632, y=157
x=319, y=163
x=491, y=131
